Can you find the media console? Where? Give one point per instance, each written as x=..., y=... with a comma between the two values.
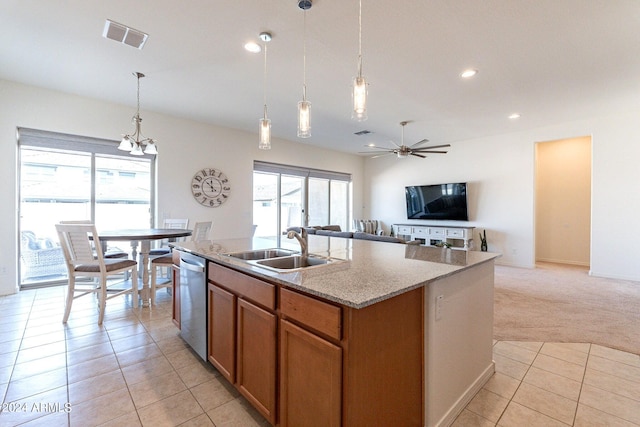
x=432, y=235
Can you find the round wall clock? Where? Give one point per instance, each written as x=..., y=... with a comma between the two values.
x=210, y=187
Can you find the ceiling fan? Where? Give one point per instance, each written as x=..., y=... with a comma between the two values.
x=403, y=151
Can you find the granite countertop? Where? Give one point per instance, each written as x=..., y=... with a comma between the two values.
x=361, y=273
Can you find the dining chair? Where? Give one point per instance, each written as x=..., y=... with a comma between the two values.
x=201, y=231
x=173, y=223
x=77, y=241
x=107, y=253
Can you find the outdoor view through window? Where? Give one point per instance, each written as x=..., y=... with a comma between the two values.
x=58, y=185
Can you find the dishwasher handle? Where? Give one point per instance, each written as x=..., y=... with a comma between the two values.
x=192, y=267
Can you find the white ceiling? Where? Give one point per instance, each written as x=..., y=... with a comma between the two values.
x=550, y=60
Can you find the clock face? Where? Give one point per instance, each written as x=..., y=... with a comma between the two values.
x=210, y=187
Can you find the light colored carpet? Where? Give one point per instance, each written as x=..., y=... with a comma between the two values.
x=561, y=303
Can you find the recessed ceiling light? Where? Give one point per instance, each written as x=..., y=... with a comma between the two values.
x=466, y=74
x=253, y=47
x=514, y=116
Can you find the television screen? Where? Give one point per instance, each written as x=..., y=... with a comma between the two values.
x=439, y=201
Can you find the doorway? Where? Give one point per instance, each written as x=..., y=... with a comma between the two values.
x=563, y=201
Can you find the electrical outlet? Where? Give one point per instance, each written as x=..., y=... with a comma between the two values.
x=439, y=304
x=3, y=270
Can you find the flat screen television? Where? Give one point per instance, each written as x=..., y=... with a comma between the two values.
x=437, y=202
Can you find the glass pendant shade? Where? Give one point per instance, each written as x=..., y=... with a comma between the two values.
x=151, y=148
x=304, y=119
x=125, y=144
x=402, y=155
x=136, y=150
x=359, y=94
x=265, y=134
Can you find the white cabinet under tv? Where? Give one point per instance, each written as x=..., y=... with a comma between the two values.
x=432, y=235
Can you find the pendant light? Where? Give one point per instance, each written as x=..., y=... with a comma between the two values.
x=134, y=142
x=359, y=92
x=304, y=106
x=265, y=124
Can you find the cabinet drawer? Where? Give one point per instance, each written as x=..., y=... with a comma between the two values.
x=244, y=286
x=321, y=316
x=420, y=231
x=454, y=232
x=436, y=232
x=403, y=229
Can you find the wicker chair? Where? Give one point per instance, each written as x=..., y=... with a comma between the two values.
x=40, y=257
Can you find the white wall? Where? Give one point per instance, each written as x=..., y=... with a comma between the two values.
x=185, y=146
x=500, y=173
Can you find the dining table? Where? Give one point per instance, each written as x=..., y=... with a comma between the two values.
x=143, y=237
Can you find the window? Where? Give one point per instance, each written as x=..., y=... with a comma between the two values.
x=287, y=196
x=67, y=177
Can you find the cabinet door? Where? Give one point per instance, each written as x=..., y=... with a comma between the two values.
x=310, y=379
x=222, y=327
x=256, y=376
x=175, y=288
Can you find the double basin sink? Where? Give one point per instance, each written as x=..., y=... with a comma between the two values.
x=278, y=259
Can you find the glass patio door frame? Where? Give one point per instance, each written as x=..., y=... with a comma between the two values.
x=97, y=150
x=306, y=174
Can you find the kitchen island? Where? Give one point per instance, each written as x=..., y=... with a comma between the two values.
x=383, y=334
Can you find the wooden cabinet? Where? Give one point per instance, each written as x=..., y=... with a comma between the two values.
x=256, y=357
x=304, y=361
x=242, y=335
x=310, y=379
x=310, y=361
x=222, y=326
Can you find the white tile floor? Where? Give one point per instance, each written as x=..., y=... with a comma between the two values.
x=135, y=370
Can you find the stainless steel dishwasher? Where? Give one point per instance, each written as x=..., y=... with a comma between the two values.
x=193, y=302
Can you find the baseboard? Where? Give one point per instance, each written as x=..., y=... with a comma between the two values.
x=563, y=261
x=466, y=397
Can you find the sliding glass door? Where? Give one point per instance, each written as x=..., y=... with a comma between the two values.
x=289, y=196
x=64, y=177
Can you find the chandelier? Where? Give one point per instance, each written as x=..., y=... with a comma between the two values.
x=134, y=142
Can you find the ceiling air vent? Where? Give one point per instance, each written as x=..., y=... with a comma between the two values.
x=363, y=132
x=123, y=34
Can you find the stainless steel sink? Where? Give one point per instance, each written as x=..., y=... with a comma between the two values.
x=259, y=254
x=291, y=262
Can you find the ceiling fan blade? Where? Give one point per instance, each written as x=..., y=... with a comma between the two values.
x=379, y=148
x=429, y=151
x=419, y=142
x=434, y=146
x=413, y=153
x=381, y=155
x=375, y=152
x=399, y=146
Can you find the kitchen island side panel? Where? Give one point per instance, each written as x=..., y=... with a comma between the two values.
x=458, y=341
